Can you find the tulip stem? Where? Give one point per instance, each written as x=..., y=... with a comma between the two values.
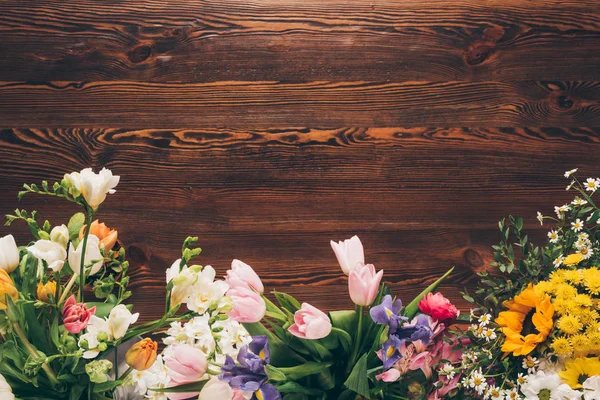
x=125, y=374
x=67, y=289
x=34, y=353
x=90, y=213
x=357, y=343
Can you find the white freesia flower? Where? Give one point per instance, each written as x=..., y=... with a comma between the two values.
x=9, y=253
x=206, y=291
x=548, y=386
x=119, y=320
x=53, y=253
x=60, y=235
x=349, y=253
x=92, y=254
x=94, y=187
x=5, y=389
x=591, y=388
x=96, y=326
x=183, y=279
x=154, y=377
x=232, y=337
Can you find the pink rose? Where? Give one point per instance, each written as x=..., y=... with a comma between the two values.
x=438, y=307
x=310, y=323
x=242, y=275
x=185, y=364
x=248, y=306
x=76, y=315
x=363, y=284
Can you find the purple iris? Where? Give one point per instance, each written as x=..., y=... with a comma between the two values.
x=250, y=374
x=418, y=329
x=390, y=352
x=387, y=313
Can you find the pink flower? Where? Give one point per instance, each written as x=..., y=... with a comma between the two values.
x=391, y=375
x=349, y=253
x=248, y=306
x=76, y=315
x=241, y=275
x=363, y=284
x=185, y=364
x=310, y=323
x=438, y=307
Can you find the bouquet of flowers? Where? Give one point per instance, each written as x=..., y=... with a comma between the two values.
x=536, y=326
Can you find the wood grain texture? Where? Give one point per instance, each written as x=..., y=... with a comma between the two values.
x=207, y=41
x=274, y=198
x=268, y=128
x=323, y=104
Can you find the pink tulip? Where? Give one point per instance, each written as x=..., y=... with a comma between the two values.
x=76, y=315
x=248, y=306
x=310, y=323
x=241, y=275
x=349, y=253
x=185, y=364
x=363, y=284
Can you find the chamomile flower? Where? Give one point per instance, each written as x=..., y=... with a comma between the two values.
x=553, y=236
x=570, y=172
x=577, y=225
x=511, y=394
x=489, y=334
x=448, y=370
x=560, y=211
x=579, y=202
x=540, y=218
x=591, y=184
x=530, y=364
x=485, y=319
x=586, y=252
x=582, y=243
x=583, y=236
x=570, y=185
x=493, y=393
x=477, y=381
x=558, y=261
x=521, y=379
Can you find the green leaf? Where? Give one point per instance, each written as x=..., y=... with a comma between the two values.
x=281, y=354
x=188, y=387
x=106, y=386
x=274, y=373
x=294, y=387
x=286, y=301
x=306, y=369
x=358, y=380
x=411, y=310
x=75, y=224
x=344, y=320
x=343, y=337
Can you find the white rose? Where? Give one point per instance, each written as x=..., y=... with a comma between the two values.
x=9, y=254
x=5, y=390
x=60, y=235
x=92, y=254
x=94, y=187
x=53, y=253
x=119, y=320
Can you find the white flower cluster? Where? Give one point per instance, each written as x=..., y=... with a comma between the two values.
x=483, y=330
x=102, y=330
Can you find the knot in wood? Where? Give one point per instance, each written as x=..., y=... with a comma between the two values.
x=140, y=53
x=473, y=259
x=478, y=53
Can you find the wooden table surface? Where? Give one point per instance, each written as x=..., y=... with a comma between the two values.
x=269, y=127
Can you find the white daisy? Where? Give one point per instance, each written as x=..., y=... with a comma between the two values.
x=448, y=370
x=553, y=236
x=494, y=393
x=591, y=184
x=485, y=319
x=530, y=364
x=489, y=334
x=586, y=252
x=521, y=379
x=570, y=172
x=558, y=261
x=547, y=386
x=577, y=225
x=579, y=202
x=477, y=381
x=570, y=185
x=583, y=236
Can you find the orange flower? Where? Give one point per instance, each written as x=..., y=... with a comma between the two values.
x=7, y=288
x=44, y=290
x=142, y=355
x=107, y=236
x=527, y=305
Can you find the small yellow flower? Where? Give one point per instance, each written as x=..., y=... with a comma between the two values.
x=7, y=288
x=583, y=300
x=569, y=324
x=44, y=290
x=591, y=280
x=581, y=344
x=574, y=276
x=578, y=370
x=561, y=346
x=573, y=259
x=565, y=291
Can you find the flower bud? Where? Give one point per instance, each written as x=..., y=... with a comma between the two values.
x=9, y=253
x=142, y=355
x=60, y=235
x=45, y=290
x=7, y=288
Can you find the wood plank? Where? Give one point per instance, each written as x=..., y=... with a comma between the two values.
x=214, y=40
x=324, y=104
x=422, y=199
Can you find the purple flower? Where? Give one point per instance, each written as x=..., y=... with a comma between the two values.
x=250, y=374
x=387, y=313
x=390, y=351
x=418, y=329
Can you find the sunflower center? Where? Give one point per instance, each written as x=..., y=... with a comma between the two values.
x=582, y=378
x=544, y=394
x=528, y=326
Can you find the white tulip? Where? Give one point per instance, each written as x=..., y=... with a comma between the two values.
x=60, y=235
x=216, y=389
x=349, y=253
x=9, y=254
x=5, y=389
x=119, y=320
x=94, y=187
x=53, y=253
x=92, y=254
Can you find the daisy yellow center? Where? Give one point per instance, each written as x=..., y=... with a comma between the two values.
x=477, y=381
x=544, y=394
x=530, y=363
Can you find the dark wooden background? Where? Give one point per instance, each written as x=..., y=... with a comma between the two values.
x=269, y=127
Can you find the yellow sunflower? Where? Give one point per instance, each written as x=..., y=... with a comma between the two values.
x=527, y=322
x=578, y=370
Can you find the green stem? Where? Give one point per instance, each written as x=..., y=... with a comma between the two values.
x=67, y=290
x=33, y=352
x=125, y=374
x=358, y=340
x=116, y=359
x=82, y=263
